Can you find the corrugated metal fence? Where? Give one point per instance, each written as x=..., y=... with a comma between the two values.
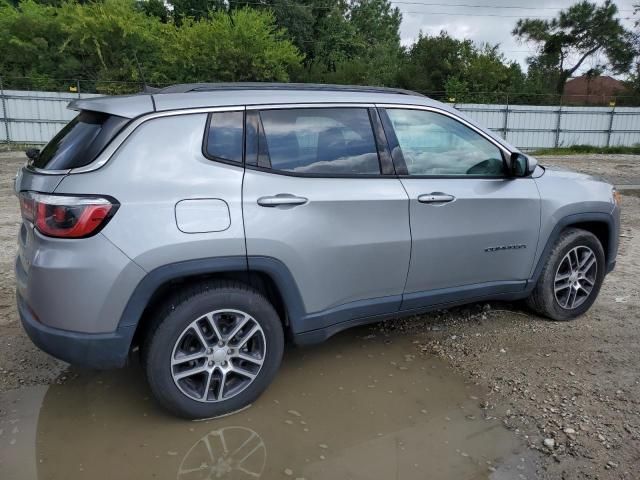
x=29, y=117
x=32, y=117
x=531, y=127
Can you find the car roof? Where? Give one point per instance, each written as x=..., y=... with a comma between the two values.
x=207, y=95
x=202, y=95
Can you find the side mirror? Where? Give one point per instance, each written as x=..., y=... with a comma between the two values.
x=32, y=153
x=520, y=165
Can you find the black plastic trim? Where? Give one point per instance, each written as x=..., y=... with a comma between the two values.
x=320, y=87
x=384, y=155
x=89, y=350
x=299, y=319
x=392, y=140
x=173, y=271
x=319, y=335
x=613, y=228
x=412, y=301
x=251, y=130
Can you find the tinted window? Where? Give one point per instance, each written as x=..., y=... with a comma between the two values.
x=434, y=144
x=224, y=138
x=80, y=141
x=328, y=141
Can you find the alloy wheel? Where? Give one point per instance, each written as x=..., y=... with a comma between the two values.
x=575, y=277
x=218, y=355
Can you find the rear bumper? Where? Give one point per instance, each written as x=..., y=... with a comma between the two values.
x=89, y=350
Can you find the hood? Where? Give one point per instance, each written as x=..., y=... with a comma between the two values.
x=565, y=173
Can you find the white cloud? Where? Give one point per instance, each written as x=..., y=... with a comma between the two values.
x=467, y=22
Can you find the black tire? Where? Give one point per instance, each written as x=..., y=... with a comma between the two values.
x=543, y=299
x=175, y=316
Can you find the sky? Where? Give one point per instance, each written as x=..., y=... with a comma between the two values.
x=487, y=21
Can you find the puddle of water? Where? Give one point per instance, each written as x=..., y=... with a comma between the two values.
x=350, y=408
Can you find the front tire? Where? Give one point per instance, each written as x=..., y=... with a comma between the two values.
x=571, y=278
x=213, y=349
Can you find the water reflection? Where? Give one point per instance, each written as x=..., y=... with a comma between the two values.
x=355, y=407
x=231, y=452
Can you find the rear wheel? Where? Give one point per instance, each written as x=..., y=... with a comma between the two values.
x=214, y=349
x=571, y=278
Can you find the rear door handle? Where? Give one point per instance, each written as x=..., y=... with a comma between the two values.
x=282, y=199
x=436, y=197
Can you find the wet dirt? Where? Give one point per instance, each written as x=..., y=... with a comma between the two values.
x=21, y=363
x=360, y=407
x=619, y=169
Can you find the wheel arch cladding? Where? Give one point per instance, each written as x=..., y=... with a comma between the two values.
x=266, y=274
x=603, y=225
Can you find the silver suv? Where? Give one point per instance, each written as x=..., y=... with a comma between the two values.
x=204, y=223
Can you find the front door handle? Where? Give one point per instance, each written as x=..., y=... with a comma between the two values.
x=436, y=197
x=282, y=199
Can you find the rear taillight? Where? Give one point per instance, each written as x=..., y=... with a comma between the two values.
x=66, y=216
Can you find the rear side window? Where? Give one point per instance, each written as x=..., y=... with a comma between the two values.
x=321, y=141
x=80, y=141
x=225, y=136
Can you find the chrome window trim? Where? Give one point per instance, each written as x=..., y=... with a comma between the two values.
x=450, y=115
x=42, y=171
x=106, y=154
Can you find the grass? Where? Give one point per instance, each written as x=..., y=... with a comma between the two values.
x=577, y=149
x=631, y=193
x=17, y=147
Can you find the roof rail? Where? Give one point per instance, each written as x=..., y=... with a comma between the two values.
x=210, y=87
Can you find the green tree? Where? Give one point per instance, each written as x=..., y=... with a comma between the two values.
x=297, y=18
x=485, y=77
x=242, y=45
x=194, y=9
x=377, y=26
x=578, y=33
x=103, y=42
x=431, y=60
x=376, y=22
x=30, y=40
x=105, y=38
x=155, y=8
x=342, y=41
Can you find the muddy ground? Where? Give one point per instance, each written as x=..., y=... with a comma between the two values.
x=618, y=169
x=506, y=381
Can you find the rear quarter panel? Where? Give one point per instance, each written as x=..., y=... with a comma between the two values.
x=159, y=165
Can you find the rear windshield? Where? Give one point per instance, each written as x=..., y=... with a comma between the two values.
x=80, y=141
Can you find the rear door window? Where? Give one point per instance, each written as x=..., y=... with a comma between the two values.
x=321, y=141
x=80, y=141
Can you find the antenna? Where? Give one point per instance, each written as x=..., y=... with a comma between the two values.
x=145, y=88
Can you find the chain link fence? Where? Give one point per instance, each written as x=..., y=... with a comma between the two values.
x=33, y=110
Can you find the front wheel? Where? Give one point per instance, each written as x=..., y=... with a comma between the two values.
x=214, y=349
x=571, y=278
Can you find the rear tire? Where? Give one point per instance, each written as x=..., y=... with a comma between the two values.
x=212, y=350
x=571, y=278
